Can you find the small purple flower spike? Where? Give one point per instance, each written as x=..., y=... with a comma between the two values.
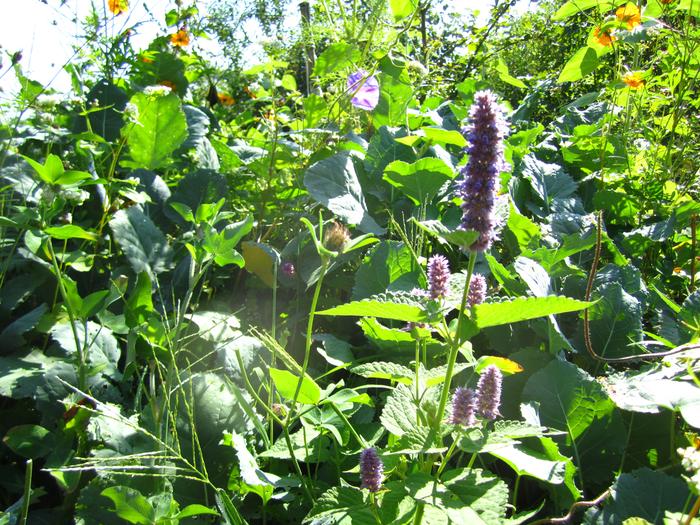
x=488, y=392
x=288, y=269
x=463, y=407
x=438, y=276
x=364, y=90
x=371, y=470
x=478, y=186
x=477, y=290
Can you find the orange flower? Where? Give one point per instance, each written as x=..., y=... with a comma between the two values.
x=180, y=39
x=629, y=14
x=169, y=84
x=145, y=59
x=633, y=80
x=118, y=7
x=666, y=2
x=604, y=37
x=226, y=100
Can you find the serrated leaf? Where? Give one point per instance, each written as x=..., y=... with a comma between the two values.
x=342, y=506
x=400, y=413
x=458, y=237
x=399, y=307
x=384, y=370
x=160, y=128
x=524, y=308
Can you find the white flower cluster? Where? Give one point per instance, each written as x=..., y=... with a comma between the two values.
x=158, y=90
x=690, y=459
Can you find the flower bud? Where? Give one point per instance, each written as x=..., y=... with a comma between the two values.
x=336, y=237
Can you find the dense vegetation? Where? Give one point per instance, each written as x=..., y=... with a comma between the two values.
x=407, y=269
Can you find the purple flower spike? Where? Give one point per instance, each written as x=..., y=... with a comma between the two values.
x=485, y=133
x=371, y=470
x=488, y=392
x=438, y=276
x=364, y=90
x=477, y=290
x=463, y=407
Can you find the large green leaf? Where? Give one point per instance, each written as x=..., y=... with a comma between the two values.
x=342, y=506
x=158, y=129
x=335, y=57
x=567, y=398
x=388, y=266
x=641, y=493
x=419, y=181
x=395, y=93
x=30, y=441
x=527, y=462
x=573, y=7
x=524, y=308
x=402, y=8
x=584, y=61
x=333, y=182
x=141, y=241
x=400, y=412
x=398, y=306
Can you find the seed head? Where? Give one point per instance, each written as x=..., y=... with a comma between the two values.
x=371, y=470
x=335, y=237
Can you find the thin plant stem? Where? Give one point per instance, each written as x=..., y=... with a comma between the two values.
x=456, y=343
x=27, y=494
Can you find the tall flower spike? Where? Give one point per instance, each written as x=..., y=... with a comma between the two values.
x=438, y=276
x=371, y=470
x=488, y=392
x=477, y=290
x=485, y=134
x=463, y=407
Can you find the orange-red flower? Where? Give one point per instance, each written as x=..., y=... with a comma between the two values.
x=181, y=38
x=118, y=7
x=629, y=14
x=633, y=80
x=604, y=37
x=168, y=83
x=145, y=59
x=226, y=100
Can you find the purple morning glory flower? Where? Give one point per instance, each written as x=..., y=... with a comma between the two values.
x=364, y=90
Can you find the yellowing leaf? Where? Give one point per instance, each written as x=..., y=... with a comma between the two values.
x=505, y=365
x=260, y=260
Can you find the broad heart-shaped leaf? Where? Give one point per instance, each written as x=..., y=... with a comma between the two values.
x=548, y=181
x=159, y=128
x=567, y=397
x=419, y=181
x=642, y=493
x=389, y=265
x=342, y=506
x=524, y=308
x=286, y=384
x=397, y=306
x=615, y=321
x=333, y=182
x=400, y=414
x=141, y=241
x=584, y=61
x=102, y=349
x=395, y=93
x=335, y=57
x=130, y=505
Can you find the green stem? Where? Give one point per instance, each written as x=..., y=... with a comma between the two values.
x=27, y=493
x=456, y=343
x=515, y=492
x=309, y=330
x=354, y=433
x=450, y=451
